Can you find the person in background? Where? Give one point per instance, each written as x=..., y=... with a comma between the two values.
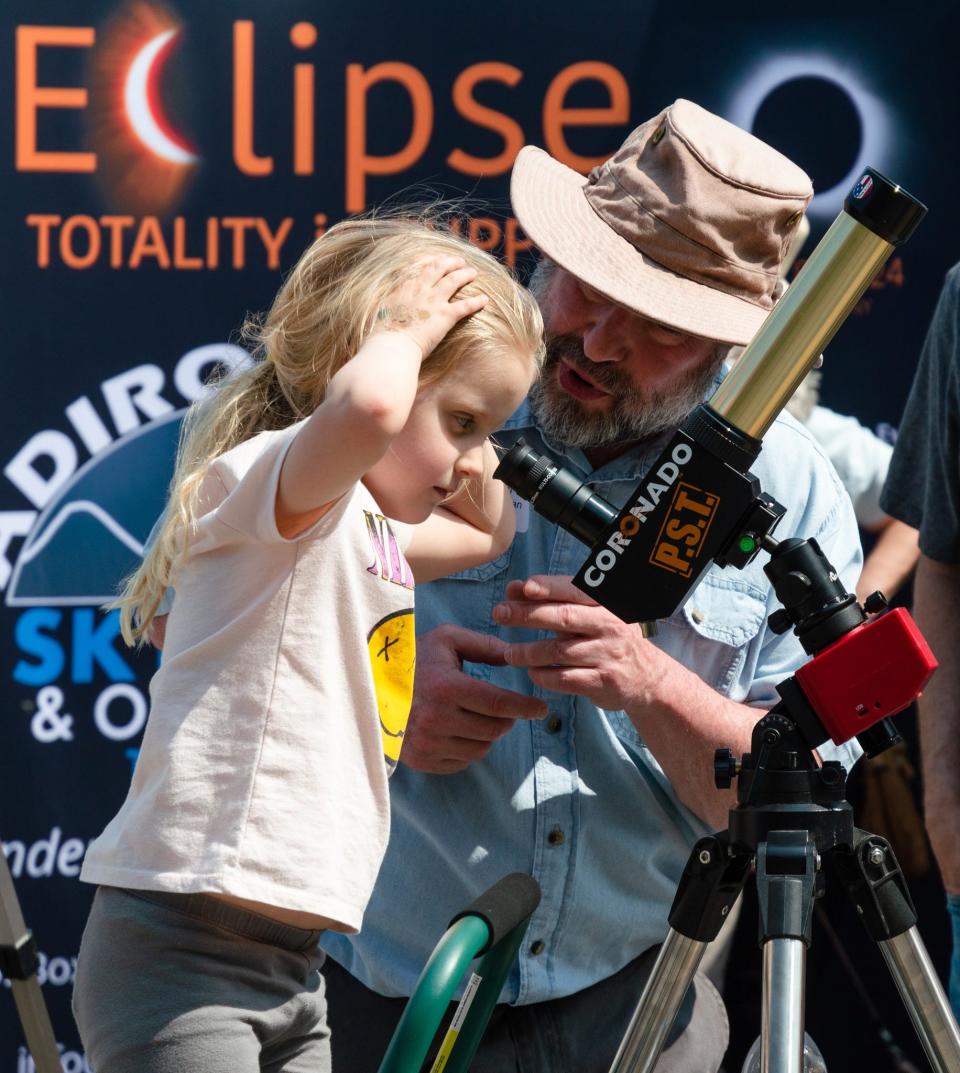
x=923, y=491
x=861, y=459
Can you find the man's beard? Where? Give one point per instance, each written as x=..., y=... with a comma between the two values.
x=632, y=414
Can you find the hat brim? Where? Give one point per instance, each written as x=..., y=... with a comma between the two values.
x=548, y=200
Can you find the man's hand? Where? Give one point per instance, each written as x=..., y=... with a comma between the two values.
x=680, y=718
x=593, y=653
x=454, y=719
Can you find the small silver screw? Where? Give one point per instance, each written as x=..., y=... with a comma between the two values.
x=725, y=910
x=876, y=855
x=704, y=856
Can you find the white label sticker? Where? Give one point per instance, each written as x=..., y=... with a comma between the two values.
x=522, y=509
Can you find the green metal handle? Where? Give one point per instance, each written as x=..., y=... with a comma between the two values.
x=493, y=972
x=459, y=946
x=496, y=919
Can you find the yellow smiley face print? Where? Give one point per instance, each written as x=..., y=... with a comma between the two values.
x=392, y=647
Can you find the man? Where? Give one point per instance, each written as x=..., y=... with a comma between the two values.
x=923, y=490
x=585, y=757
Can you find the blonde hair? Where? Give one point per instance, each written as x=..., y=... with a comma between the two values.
x=318, y=321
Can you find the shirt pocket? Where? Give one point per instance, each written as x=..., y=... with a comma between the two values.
x=710, y=635
x=713, y=632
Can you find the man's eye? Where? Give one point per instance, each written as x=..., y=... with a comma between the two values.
x=668, y=336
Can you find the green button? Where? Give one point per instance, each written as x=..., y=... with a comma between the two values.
x=747, y=544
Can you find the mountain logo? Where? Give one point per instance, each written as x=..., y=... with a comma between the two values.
x=92, y=534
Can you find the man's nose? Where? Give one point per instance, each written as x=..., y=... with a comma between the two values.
x=606, y=337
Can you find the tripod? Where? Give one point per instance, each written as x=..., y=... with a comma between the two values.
x=18, y=962
x=792, y=820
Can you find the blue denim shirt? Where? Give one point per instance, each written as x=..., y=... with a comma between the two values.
x=577, y=799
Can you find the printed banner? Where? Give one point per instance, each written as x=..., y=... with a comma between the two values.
x=163, y=166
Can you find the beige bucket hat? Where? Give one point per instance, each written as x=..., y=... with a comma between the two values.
x=686, y=224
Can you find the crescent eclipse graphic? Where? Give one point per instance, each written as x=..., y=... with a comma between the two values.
x=873, y=115
x=142, y=103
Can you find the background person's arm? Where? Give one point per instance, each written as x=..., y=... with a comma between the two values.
x=891, y=560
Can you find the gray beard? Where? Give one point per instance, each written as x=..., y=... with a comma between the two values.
x=634, y=414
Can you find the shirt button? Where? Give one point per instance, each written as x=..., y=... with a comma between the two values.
x=554, y=723
x=555, y=838
x=537, y=947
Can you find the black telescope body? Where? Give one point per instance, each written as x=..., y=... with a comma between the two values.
x=699, y=503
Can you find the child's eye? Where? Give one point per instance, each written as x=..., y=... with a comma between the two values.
x=464, y=422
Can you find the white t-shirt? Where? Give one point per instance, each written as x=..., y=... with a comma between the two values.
x=286, y=683
x=860, y=458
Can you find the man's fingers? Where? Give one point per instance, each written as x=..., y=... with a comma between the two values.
x=484, y=699
x=471, y=646
x=547, y=653
x=561, y=617
x=548, y=587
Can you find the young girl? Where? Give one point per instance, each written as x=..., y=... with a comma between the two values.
x=259, y=811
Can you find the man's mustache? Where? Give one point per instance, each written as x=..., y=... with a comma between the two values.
x=569, y=348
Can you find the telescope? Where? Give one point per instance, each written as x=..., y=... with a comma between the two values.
x=699, y=505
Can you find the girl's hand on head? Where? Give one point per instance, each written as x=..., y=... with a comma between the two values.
x=423, y=307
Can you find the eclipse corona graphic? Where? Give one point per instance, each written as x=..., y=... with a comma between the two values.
x=141, y=101
x=775, y=72
x=144, y=160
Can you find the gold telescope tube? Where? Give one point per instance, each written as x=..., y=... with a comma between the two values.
x=806, y=318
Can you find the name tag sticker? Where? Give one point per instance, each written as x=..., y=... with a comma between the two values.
x=522, y=510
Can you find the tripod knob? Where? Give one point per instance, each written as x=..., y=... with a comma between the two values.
x=780, y=621
x=726, y=767
x=875, y=603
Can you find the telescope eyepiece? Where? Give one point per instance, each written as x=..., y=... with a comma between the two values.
x=556, y=493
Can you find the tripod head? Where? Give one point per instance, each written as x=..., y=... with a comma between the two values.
x=862, y=672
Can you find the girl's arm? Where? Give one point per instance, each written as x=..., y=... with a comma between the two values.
x=471, y=527
x=368, y=400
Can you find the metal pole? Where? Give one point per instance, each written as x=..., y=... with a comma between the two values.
x=784, y=967
x=27, y=995
x=672, y=973
x=916, y=980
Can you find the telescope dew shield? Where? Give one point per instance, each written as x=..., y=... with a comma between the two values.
x=877, y=216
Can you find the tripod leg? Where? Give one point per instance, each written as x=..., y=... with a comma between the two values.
x=673, y=971
x=784, y=969
x=19, y=963
x=786, y=886
x=926, y=1002
x=879, y=892
x=711, y=883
